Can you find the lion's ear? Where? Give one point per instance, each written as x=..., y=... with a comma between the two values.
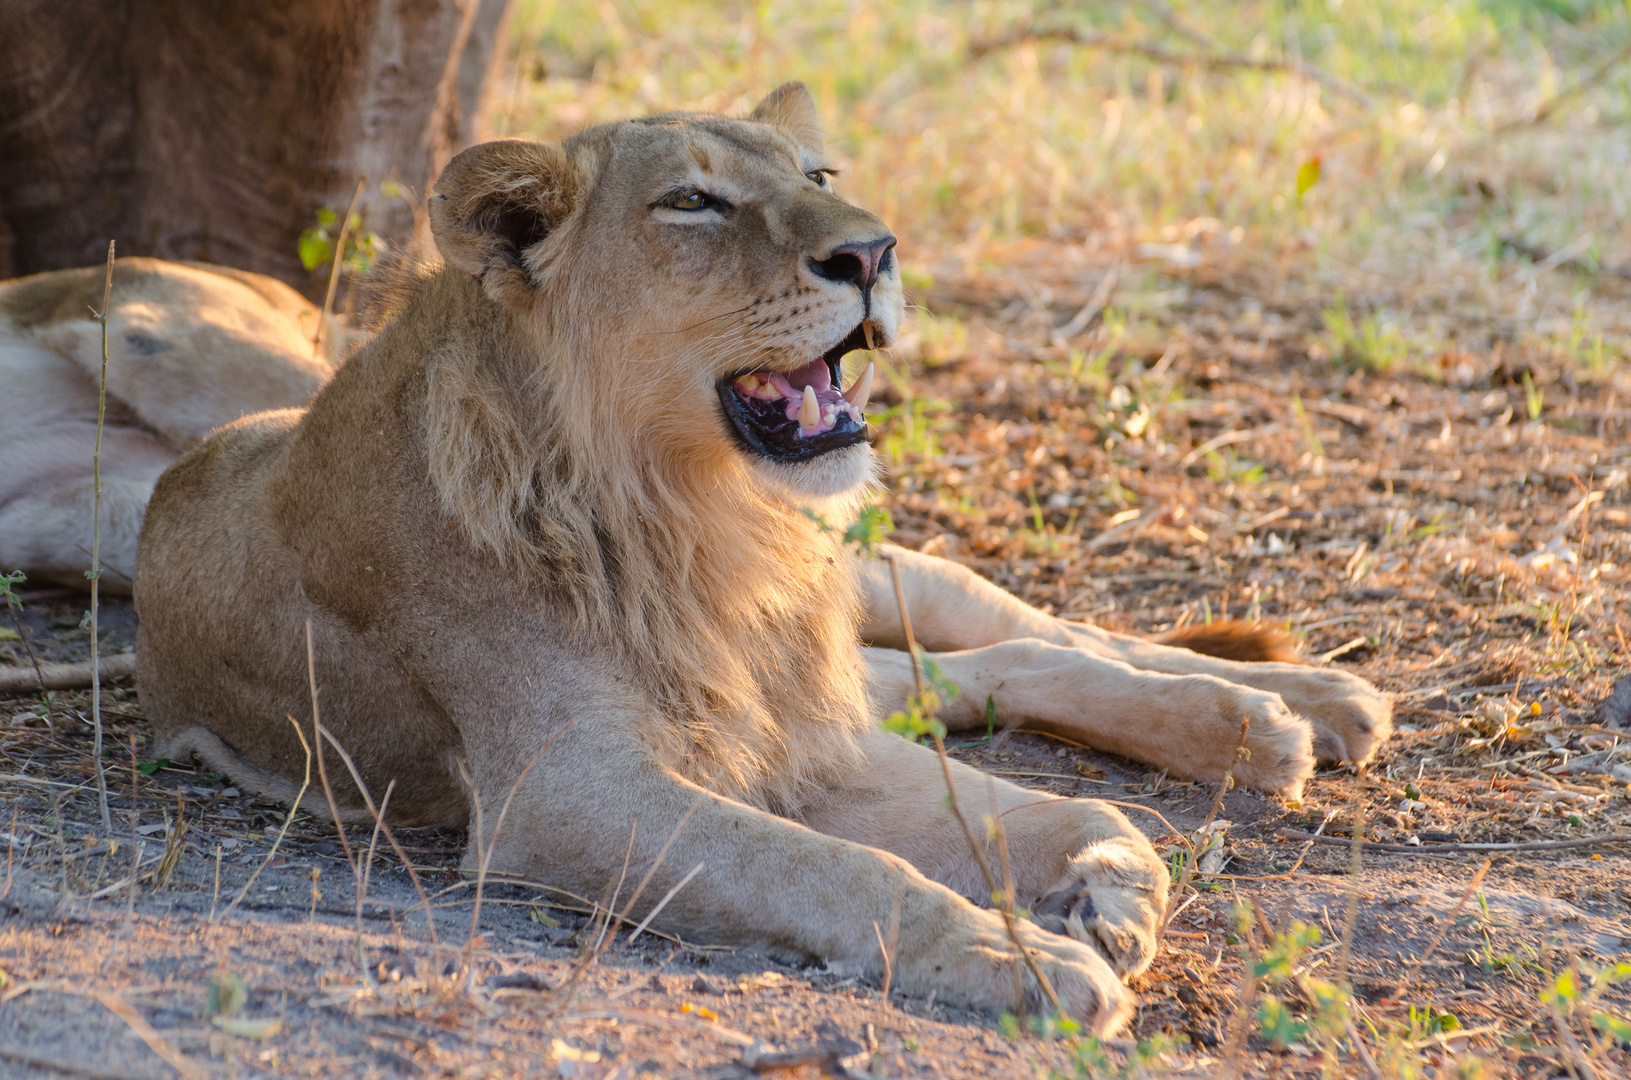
x=790, y=108
x=495, y=201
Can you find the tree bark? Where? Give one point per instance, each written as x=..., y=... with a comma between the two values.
x=215, y=129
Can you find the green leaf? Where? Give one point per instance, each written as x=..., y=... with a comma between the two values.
x=249, y=1029
x=1276, y=1025
x=8, y=634
x=149, y=766
x=1565, y=990
x=314, y=249
x=227, y=994
x=1614, y=973
x=1615, y=1027
x=870, y=529
x=1308, y=174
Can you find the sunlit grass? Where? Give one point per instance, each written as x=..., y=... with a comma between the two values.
x=966, y=152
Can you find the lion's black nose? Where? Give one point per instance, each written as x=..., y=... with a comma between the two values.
x=857, y=263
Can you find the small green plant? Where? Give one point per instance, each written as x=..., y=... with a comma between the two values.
x=910, y=432
x=1085, y=370
x=1090, y=1057
x=1311, y=440
x=14, y=607
x=1576, y=989
x=1534, y=398
x=362, y=248
x=1294, y=1006
x=225, y=993
x=870, y=528
x=918, y=718
x=1370, y=343
x=1225, y=466
x=940, y=338
x=1427, y=1021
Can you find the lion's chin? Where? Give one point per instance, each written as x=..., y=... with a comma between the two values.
x=837, y=474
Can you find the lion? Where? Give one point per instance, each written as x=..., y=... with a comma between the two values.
x=554, y=537
x=190, y=347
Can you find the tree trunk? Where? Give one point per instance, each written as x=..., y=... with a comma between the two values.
x=215, y=129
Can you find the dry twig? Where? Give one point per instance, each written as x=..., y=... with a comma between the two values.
x=334, y=269
x=1450, y=849
x=95, y=573
x=288, y=818
x=1192, y=865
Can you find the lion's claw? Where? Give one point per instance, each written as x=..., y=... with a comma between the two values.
x=1111, y=902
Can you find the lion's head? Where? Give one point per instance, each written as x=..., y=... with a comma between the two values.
x=699, y=278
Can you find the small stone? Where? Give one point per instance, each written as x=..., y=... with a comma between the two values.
x=1615, y=711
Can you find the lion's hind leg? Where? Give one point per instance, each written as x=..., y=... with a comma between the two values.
x=1186, y=724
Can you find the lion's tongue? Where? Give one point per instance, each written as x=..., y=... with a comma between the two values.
x=815, y=375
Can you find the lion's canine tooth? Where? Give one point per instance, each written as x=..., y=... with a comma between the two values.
x=866, y=332
x=810, y=410
x=857, y=394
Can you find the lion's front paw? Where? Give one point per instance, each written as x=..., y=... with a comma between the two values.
x=1279, y=744
x=975, y=963
x=1112, y=898
x=1350, y=717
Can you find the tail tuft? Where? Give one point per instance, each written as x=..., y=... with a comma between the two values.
x=1236, y=639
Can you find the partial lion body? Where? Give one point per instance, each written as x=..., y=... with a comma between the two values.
x=190, y=347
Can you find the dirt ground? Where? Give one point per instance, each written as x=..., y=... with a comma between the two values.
x=1448, y=536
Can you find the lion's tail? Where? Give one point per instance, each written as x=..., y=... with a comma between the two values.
x=214, y=753
x=1236, y=639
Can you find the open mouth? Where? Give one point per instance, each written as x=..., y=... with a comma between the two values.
x=800, y=414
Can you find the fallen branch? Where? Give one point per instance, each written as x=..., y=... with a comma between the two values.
x=73, y=676
x=1161, y=54
x=1451, y=849
x=1546, y=108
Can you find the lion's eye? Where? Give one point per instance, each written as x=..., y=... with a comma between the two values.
x=692, y=201
x=816, y=176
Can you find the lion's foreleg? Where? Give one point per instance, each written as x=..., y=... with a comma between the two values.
x=760, y=880
x=1189, y=725
x=1059, y=849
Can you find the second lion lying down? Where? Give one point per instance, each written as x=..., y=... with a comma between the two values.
x=558, y=501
